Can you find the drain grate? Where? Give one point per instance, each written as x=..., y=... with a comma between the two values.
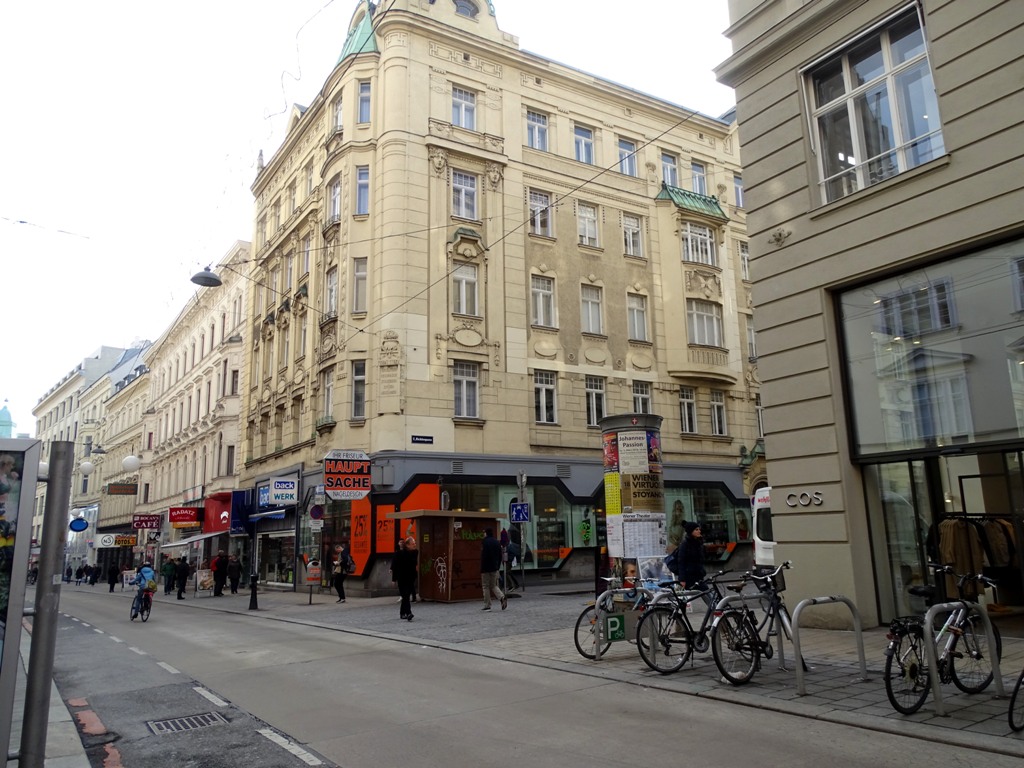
x=190, y=723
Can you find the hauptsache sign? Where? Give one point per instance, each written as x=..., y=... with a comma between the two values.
x=19, y=468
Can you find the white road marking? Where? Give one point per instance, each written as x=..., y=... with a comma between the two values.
x=98, y=631
x=138, y=651
x=116, y=639
x=207, y=695
x=168, y=667
x=295, y=749
x=85, y=625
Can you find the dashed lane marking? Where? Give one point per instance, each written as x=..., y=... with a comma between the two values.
x=168, y=667
x=209, y=696
x=139, y=651
x=116, y=639
x=98, y=631
x=307, y=757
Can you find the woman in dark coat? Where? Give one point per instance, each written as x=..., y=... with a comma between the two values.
x=404, y=565
x=690, y=556
x=113, y=575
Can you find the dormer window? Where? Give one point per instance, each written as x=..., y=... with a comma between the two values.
x=466, y=8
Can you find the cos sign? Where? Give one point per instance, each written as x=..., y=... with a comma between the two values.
x=805, y=499
x=347, y=475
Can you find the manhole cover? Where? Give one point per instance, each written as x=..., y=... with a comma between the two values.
x=190, y=723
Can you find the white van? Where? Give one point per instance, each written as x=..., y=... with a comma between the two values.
x=764, y=539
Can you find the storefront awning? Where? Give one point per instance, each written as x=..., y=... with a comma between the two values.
x=191, y=539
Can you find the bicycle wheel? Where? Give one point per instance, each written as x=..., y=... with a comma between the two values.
x=586, y=634
x=906, y=674
x=1016, y=712
x=135, y=607
x=735, y=646
x=147, y=606
x=663, y=639
x=970, y=661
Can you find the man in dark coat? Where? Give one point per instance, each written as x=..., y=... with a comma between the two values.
x=220, y=573
x=181, y=577
x=404, y=564
x=490, y=564
x=690, y=556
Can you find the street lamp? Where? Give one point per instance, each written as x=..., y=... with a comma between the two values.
x=131, y=463
x=207, y=278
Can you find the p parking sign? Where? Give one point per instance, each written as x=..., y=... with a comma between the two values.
x=614, y=627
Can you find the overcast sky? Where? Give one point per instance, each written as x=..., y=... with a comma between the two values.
x=131, y=132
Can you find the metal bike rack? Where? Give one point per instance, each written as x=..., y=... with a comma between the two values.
x=801, y=689
x=608, y=598
x=933, y=657
x=729, y=599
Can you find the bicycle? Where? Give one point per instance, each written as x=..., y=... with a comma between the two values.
x=907, y=679
x=666, y=639
x=142, y=605
x=1016, y=711
x=737, y=640
x=587, y=630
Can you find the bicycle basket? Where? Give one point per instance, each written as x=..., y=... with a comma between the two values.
x=778, y=582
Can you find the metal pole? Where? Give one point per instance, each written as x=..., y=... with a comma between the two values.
x=44, y=624
x=522, y=530
x=254, y=602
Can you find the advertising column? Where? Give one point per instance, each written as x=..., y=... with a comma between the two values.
x=634, y=494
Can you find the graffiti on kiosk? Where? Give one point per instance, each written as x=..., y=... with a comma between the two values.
x=441, y=569
x=805, y=499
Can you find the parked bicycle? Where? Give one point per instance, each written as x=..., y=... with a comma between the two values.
x=142, y=605
x=640, y=593
x=738, y=640
x=961, y=648
x=1016, y=712
x=666, y=638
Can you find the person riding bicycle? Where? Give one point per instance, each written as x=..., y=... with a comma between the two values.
x=143, y=578
x=690, y=556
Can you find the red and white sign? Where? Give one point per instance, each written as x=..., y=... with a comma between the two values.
x=347, y=474
x=183, y=517
x=148, y=522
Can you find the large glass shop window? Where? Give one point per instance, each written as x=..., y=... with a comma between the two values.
x=935, y=356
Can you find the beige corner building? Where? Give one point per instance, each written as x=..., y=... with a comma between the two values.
x=885, y=188
x=465, y=256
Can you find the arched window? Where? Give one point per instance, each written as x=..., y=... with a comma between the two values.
x=466, y=8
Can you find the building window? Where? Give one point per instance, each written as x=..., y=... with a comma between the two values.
x=364, y=101
x=293, y=203
x=331, y=293
x=334, y=210
x=737, y=189
x=544, y=402
x=627, y=157
x=540, y=213
x=1017, y=272
x=698, y=244
x=641, y=397
x=719, y=426
x=542, y=299
x=632, y=243
x=359, y=285
x=636, y=316
x=261, y=228
x=584, y=143
x=874, y=108
x=537, y=130
x=466, y=8
x=464, y=289
x=688, y=410
x=466, y=378
x=918, y=310
x=751, y=340
x=337, y=115
x=463, y=195
x=744, y=260
x=310, y=180
x=586, y=222
x=362, y=190
x=670, y=169
x=327, y=393
x=358, y=389
x=307, y=248
x=464, y=108
x=595, y=400
x=303, y=337
x=590, y=309
x=698, y=176
x=289, y=275
x=759, y=411
x=705, y=322
x=275, y=214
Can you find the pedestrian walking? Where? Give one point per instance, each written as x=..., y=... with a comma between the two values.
x=404, y=564
x=490, y=564
x=113, y=575
x=79, y=575
x=67, y=575
x=220, y=573
x=94, y=576
x=343, y=566
x=181, y=576
x=690, y=556
x=512, y=561
x=167, y=570
x=234, y=573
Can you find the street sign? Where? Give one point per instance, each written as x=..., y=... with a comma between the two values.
x=615, y=627
x=316, y=525
x=347, y=474
x=153, y=522
x=520, y=512
x=316, y=512
x=284, y=491
x=79, y=524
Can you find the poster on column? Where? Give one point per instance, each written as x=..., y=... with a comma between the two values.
x=633, y=452
x=643, y=533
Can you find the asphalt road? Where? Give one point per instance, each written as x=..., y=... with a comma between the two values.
x=355, y=700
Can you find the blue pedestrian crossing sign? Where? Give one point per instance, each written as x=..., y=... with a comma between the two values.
x=520, y=512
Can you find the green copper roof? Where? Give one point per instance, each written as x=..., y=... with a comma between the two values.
x=361, y=38
x=691, y=201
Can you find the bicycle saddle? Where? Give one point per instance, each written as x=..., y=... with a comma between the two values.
x=922, y=590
